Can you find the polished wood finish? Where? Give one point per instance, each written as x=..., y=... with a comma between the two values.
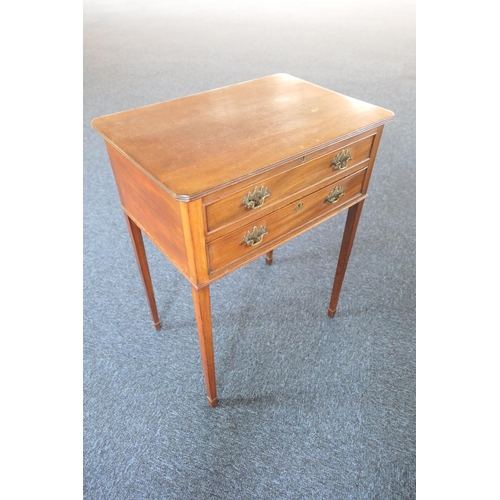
x=184, y=167
x=201, y=300
x=142, y=263
x=197, y=144
x=154, y=211
x=284, y=223
x=269, y=257
x=192, y=222
x=230, y=208
x=351, y=225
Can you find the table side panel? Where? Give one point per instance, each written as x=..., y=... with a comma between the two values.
x=153, y=209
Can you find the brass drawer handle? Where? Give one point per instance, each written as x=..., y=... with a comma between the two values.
x=255, y=236
x=256, y=198
x=335, y=195
x=339, y=162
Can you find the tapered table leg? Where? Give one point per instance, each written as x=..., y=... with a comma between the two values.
x=345, y=251
x=201, y=300
x=142, y=262
x=269, y=257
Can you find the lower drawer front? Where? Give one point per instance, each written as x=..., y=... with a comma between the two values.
x=231, y=208
x=232, y=246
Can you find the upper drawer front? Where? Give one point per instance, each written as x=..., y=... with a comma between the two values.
x=333, y=164
x=283, y=222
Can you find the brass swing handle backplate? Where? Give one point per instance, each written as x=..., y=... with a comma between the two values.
x=335, y=195
x=255, y=236
x=255, y=199
x=339, y=162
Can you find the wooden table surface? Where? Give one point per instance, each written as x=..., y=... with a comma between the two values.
x=197, y=144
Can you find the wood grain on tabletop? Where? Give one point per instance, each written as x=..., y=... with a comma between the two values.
x=199, y=143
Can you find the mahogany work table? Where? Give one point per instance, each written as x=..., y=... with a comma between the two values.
x=220, y=178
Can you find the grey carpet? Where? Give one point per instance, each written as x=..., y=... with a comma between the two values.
x=310, y=407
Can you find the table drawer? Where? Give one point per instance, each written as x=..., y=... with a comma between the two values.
x=251, y=199
x=264, y=232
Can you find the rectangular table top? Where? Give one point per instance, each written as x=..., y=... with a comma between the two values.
x=197, y=144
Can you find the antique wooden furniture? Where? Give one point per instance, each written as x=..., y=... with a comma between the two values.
x=220, y=178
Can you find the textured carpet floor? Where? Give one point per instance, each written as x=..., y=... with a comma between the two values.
x=310, y=407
